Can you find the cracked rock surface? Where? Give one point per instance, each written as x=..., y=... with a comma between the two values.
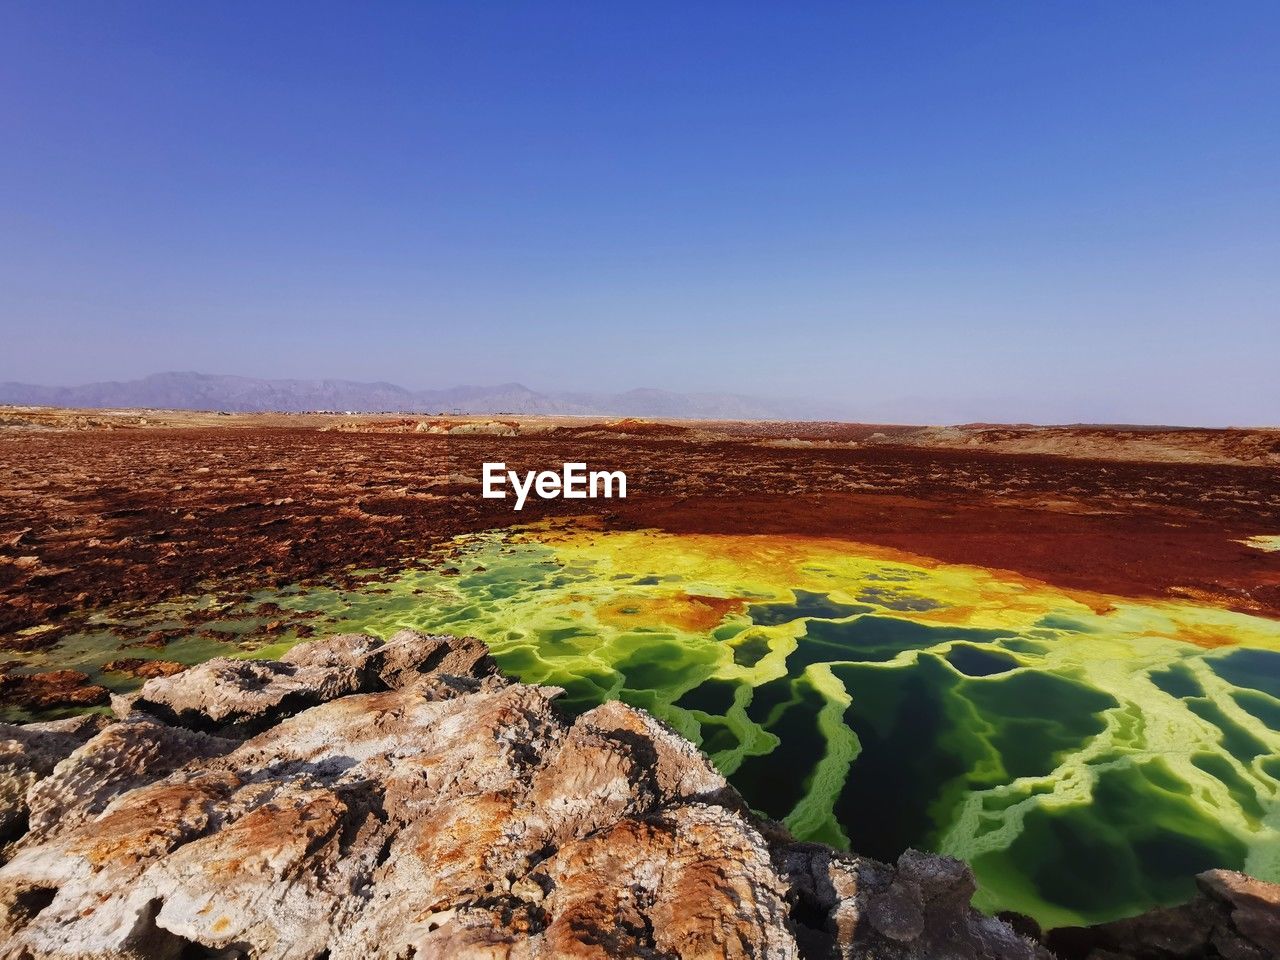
x=28, y=754
x=360, y=799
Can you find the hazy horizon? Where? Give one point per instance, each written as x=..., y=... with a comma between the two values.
x=1048, y=213
x=902, y=411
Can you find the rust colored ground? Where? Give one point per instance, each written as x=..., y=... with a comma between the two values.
x=96, y=517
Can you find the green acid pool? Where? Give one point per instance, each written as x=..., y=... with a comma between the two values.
x=1087, y=754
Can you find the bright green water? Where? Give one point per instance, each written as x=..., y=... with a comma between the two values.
x=879, y=701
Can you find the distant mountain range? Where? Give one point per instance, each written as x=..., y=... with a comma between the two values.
x=203, y=391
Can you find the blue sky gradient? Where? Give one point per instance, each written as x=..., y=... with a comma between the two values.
x=923, y=211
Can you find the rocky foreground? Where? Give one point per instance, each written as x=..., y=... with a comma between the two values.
x=360, y=799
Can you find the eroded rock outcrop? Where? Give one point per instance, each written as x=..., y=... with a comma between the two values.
x=916, y=908
x=235, y=697
x=1234, y=917
x=117, y=759
x=28, y=754
x=360, y=799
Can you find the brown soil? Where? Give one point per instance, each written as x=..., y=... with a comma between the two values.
x=97, y=516
x=144, y=669
x=56, y=688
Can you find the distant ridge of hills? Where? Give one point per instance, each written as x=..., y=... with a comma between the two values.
x=203, y=391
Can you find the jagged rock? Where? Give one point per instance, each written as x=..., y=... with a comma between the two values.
x=119, y=758
x=28, y=754
x=402, y=800
x=410, y=652
x=688, y=881
x=243, y=695
x=239, y=697
x=615, y=761
x=449, y=813
x=845, y=906
x=1252, y=906
x=1234, y=917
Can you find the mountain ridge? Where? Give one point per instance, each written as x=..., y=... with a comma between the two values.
x=191, y=390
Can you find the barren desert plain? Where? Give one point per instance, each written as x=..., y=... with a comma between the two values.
x=1053, y=653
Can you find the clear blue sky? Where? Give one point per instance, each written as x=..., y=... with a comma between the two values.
x=939, y=211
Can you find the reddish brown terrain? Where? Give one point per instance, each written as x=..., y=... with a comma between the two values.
x=101, y=508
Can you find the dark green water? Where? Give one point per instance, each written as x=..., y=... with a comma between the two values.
x=878, y=703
